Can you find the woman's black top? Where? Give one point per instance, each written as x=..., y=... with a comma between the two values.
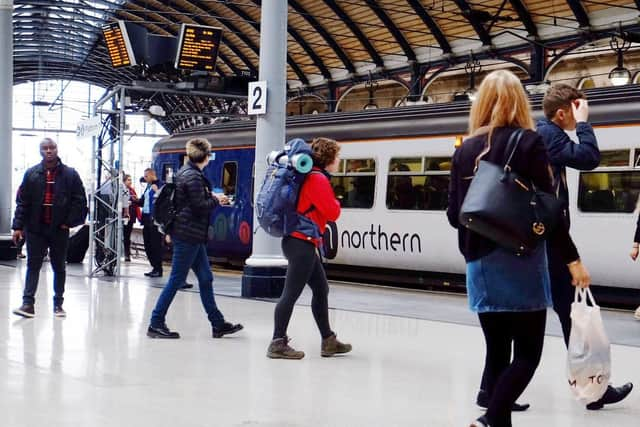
x=530, y=161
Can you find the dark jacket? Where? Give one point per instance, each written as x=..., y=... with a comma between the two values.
x=194, y=204
x=69, y=203
x=563, y=153
x=530, y=160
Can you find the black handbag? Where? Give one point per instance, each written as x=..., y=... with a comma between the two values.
x=504, y=207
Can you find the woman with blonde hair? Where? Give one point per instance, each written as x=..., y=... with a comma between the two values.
x=510, y=293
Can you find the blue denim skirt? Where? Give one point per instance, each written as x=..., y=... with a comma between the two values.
x=503, y=281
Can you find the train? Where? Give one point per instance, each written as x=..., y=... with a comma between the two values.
x=393, y=184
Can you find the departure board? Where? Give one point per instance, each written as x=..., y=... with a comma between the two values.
x=198, y=47
x=118, y=44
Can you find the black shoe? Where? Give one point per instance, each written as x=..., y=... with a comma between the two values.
x=483, y=401
x=161, y=332
x=155, y=274
x=127, y=259
x=149, y=273
x=58, y=311
x=25, y=310
x=226, y=329
x=186, y=286
x=612, y=395
x=480, y=422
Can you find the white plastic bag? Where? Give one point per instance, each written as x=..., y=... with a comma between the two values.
x=589, y=355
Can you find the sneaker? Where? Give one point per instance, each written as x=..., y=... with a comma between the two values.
x=483, y=401
x=612, y=395
x=186, y=285
x=161, y=332
x=280, y=349
x=637, y=313
x=331, y=346
x=226, y=329
x=58, y=311
x=25, y=310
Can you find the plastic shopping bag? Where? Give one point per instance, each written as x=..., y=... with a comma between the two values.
x=589, y=355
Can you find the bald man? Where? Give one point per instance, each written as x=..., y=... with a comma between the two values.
x=51, y=199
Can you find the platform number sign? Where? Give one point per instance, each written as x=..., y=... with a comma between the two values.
x=258, y=97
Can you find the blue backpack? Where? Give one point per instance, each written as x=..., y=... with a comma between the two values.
x=277, y=200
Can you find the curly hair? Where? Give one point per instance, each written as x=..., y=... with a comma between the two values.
x=325, y=151
x=198, y=149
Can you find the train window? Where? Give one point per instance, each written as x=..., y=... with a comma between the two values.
x=230, y=179
x=614, y=158
x=608, y=191
x=355, y=183
x=418, y=183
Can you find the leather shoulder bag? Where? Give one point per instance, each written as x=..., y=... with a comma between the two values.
x=504, y=207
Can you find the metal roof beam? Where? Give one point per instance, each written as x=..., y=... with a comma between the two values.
x=467, y=12
x=525, y=17
x=325, y=35
x=249, y=20
x=431, y=25
x=393, y=29
x=75, y=25
x=373, y=53
x=579, y=12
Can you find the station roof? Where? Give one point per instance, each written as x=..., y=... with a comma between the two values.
x=329, y=41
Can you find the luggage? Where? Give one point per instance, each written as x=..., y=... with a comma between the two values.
x=78, y=244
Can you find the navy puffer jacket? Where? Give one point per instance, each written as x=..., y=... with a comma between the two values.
x=194, y=204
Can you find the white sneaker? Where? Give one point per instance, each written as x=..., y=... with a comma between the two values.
x=637, y=314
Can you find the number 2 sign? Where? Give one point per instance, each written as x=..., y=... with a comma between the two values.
x=257, y=97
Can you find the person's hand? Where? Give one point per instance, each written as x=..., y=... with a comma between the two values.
x=634, y=253
x=579, y=275
x=222, y=199
x=167, y=239
x=154, y=187
x=17, y=237
x=64, y=227
x=580, y=109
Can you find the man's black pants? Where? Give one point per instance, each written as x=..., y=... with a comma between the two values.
x=152, y=243
x=57, y=242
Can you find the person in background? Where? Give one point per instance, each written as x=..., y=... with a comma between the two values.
x=318, y=203
x=151, y=235
x=566, y=109
x=634, y=255
x=131, y=213
x=189, y=235
x=20, y=243
x=51, y=199
x=510, y=293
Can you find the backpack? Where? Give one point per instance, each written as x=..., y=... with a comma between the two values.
x=164, y=208
x=277, y=200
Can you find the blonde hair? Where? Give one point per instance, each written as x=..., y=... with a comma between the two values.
x=501, y=102
x=198, y=149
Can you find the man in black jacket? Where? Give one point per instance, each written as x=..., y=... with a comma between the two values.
x=565, y=108
x=150, y=234
x=51, y=199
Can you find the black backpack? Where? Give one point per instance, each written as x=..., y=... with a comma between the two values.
x=164, y=208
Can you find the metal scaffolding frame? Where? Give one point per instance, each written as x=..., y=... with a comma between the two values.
x=106, y=245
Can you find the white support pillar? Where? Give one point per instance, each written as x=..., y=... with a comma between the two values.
x=6, y=126
x=264, y=273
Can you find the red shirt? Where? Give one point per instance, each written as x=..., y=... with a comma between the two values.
x=316, y=191
x=50, y=181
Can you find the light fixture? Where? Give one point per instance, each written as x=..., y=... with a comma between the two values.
x=619, y=76
x=371, y=87
x=472, y=67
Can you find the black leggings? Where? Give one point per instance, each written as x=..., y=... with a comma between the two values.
x=304, y=267
x=505, y=380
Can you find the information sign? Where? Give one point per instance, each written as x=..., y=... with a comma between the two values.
x=198, y=47
x=257, y=97
x=118, y=44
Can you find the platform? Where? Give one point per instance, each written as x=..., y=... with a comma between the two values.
x=417, y=361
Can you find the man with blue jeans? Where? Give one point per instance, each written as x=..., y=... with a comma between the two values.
x=190, y=233
x=566, y=108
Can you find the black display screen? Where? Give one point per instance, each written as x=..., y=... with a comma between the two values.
x=198, y=47
x=118, y=45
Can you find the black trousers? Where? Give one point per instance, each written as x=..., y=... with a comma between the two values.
x=152, y=242
x=562, y=291
x=57, y=242
x=305, y=267
x=127, y=229
x=503, y=379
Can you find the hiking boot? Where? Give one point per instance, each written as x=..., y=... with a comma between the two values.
x=58, y=311
x=25, y=310
x=225, y=329
x=161, y=332
x=331, y=346
x=280, y=349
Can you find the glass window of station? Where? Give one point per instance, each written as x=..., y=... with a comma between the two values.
x=614, y=186
x=418, y=183
x=355, y=183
